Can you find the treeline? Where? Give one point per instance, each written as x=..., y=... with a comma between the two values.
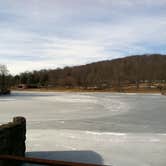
x=105, y=74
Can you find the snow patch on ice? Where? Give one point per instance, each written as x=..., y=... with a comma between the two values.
x=7, y=99
x=105, y=133
x=69, y=98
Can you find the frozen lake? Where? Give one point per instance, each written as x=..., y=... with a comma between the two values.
x=104, y=128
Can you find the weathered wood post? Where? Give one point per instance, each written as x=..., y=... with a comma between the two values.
x=12, y=140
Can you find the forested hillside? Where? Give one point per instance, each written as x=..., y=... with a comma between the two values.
x=105, y=74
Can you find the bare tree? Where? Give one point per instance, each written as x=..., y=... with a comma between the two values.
x=4, y=84
x=3, y=70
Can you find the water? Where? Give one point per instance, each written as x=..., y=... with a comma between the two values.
x=107, y=128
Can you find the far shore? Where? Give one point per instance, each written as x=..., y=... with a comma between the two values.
x=131, y=90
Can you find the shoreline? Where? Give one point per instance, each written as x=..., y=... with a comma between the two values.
x=141, y=90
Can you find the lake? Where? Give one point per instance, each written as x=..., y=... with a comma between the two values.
x=105, y=128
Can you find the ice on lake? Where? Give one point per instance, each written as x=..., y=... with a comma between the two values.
x=103, y=128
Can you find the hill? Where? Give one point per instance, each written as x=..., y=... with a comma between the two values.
x=134, y=70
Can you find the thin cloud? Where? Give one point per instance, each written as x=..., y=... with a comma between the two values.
x=48, y=34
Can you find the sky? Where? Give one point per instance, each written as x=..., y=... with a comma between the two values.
x=38, y=34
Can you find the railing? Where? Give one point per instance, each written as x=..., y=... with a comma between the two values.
x=42, y=161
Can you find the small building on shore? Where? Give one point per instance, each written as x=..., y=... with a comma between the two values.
x=22, y=86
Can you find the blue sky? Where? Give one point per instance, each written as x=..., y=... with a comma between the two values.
x=37, y=34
